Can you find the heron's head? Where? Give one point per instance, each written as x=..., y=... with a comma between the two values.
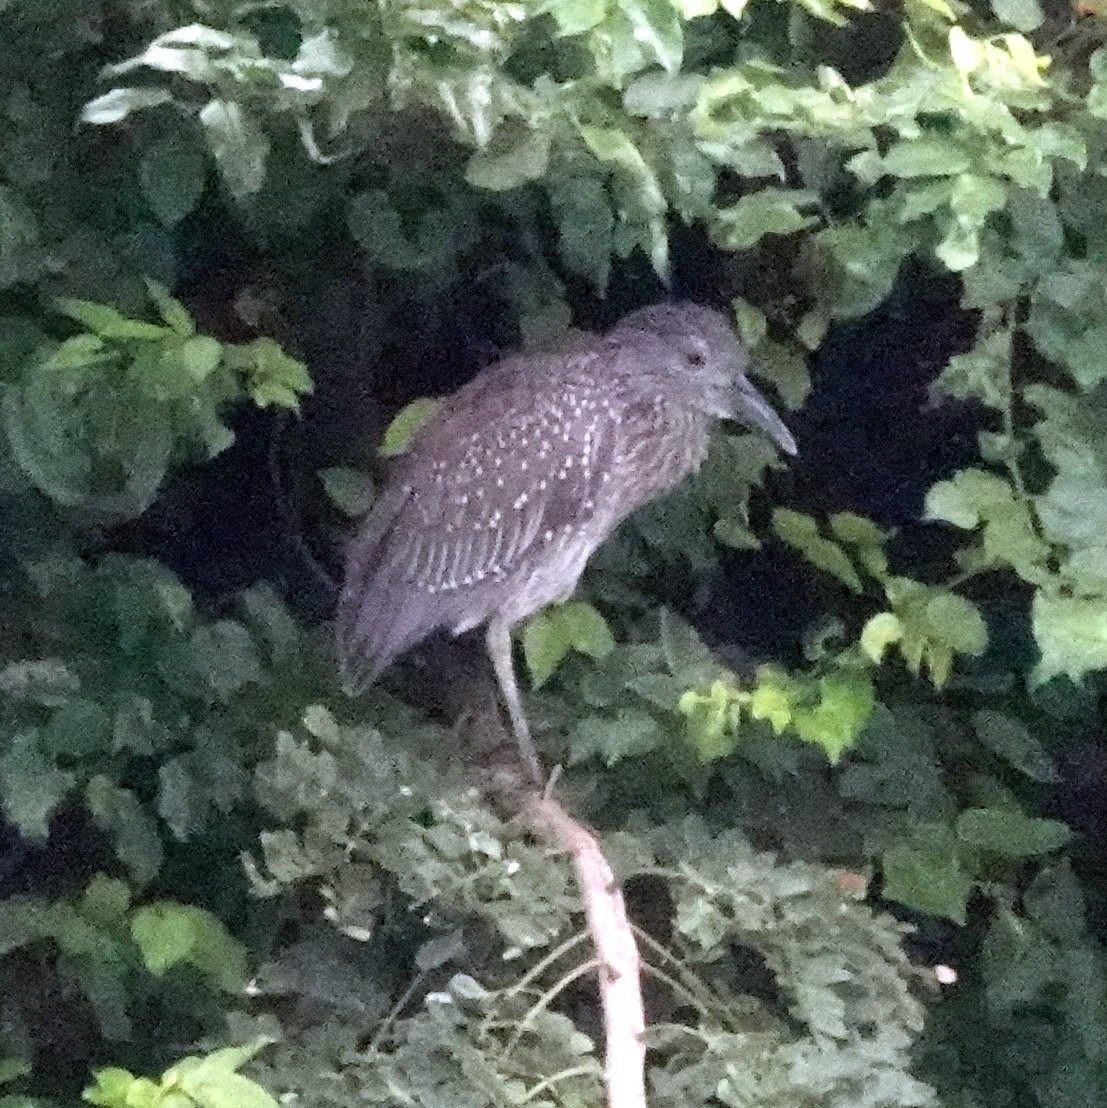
x=710, y=363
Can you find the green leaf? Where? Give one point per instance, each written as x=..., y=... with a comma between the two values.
x=273, y=377
x=108, y=323
x=584, y=627
x=924, y=872
x=117, y=1088
x=983, y=373
x=753, y=325
x=771, y=211
x=855, y=530
x=657, y=27
x=1010, y=740
x=11, y=1069
x=1071, y=632
x=642, y=194
x=846, y=702
x=735, y=533
x=41, y=445
x=773, y=703
x=406, y=424
x=1023, y=15
x=694, y=9
x=927, y=156
x=31, y=786
x=239, y=147
x=200, y=356
x=105, y=902
x=785, y=367
x=974, y=498
x=45, y=681
x=173, y=176
x=173, y=313
x=1073, y=510
x=509, y=165
x=585, y=226
x=611, y=739
x=169, y=935
x=549, y=637
x=200, y=1081
x=115, y=106
x=220, y=657
x=211, y=1081
x=546, y=644
x=1038, y=233
x=119, y=813
x=880, y=632
x=271, y=620
x=957, y=623
x=802, y=533
x=960, y=248
x=349, y=490
x=709, y=721
x=973, y=198
x=1011, y=834
x=574, y=17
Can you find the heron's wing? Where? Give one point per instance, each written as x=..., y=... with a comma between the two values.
x=491, y=485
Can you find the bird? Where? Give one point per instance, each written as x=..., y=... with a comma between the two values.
x=502, y=497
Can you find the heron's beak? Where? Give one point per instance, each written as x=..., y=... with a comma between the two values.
x=752, y=409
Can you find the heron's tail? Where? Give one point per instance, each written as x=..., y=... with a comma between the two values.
x=377, y=618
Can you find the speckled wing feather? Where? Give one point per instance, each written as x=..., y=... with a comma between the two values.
x=487, y=493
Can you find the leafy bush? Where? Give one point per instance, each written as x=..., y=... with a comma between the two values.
x=211, y=209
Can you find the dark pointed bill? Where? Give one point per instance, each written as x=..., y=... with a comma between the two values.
x=752, y=409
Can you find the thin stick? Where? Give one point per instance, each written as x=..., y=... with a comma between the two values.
x=545, y=1000
x=624, y=1016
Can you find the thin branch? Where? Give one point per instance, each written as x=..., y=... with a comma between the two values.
x=387, y=1023
x=546, y=999
x=620, y=966
x=549, y=1082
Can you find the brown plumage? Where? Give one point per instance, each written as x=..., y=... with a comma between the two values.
x=504, y=495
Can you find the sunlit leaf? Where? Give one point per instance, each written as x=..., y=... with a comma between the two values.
x=586, y=630
x=1071, y=632
x=843, y=709
x=170, y=935
x=770, y=211
x=115, y=106
x=880, y=632
x=500, y=170
x=657, y=27
x=238, y=145
x=406, y=424
x=802, y=533
x=545, y=645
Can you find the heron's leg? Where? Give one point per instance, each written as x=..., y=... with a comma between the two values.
x=498, y=640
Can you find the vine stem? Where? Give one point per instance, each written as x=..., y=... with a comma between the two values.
x=620, y=981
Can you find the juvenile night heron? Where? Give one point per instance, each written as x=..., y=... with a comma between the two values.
x=505, y=494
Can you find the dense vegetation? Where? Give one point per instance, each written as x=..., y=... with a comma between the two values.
x=839, y=722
